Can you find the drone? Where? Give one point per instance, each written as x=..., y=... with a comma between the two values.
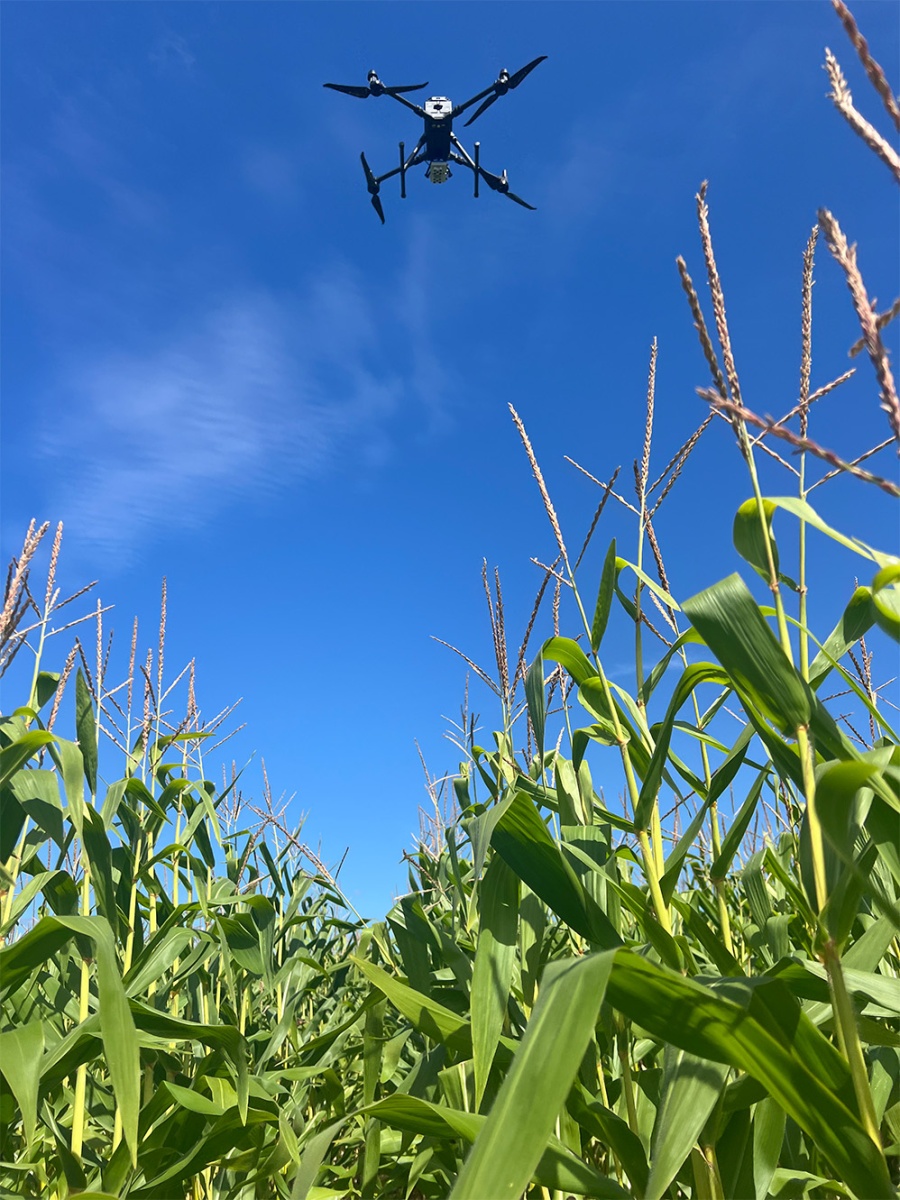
x=438, y=146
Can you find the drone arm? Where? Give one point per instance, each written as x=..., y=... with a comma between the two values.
x=414, y=159
x=461, y=108
x=379, y=179
x=462, y=162
x=416, y=108
x=463, y=158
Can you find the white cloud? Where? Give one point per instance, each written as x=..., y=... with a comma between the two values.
x=258, y=395
x=171, y=53
x=166, y=400
x=431, y=379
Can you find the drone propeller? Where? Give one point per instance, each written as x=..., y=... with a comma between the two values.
x=499, y=183
x=504, y=83
x=375, y=88
x=349, y=90
x=374, y=187
x=409, y=87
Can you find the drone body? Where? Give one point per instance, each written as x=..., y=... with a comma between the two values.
x=438, y=146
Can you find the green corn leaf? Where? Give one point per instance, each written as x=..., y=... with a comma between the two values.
x=92, y=1195
x=493, y=969
x=313, y=1157
x=45, y=687
x=20, y=1064
x=662, y=941
x=523, y=840
x=690, y=1088
x=70, y=764
x=804, y=511
x=14, y=756
x=12, y=822
x=660, y=592
x=557, y=1168
x=518, y=1128
x=26, y=953
x=604, y=597
x=193, y=1101
x=886, y=596
x=788, y=1183
x=612, y=1131
x=158, y=956
x=481, y=829
x=837, y=786
x=732, y=625
x=868, y=950
x=436, y=1021
x=691, y=678
x=709, y=937
x=739, y=826
x=229, y=1039
x=856, y=621
x=593, y=695
x=675, y=859
x=537, y=700
x=682, y=1012
x=768, y=1137
x=99, y=854
x=27, y=895
x=86, y=727
x=568, y=794
x=38, y=795
x=570, y=655
x=751, y=539
x=116, y=1024
x=720, y=781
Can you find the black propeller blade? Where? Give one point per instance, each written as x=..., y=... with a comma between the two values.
x=515, y=80
x=504, y=83
x=374, y=187
x=519, y=200
x=410, y=87
x=375, y=88
x=349, y=90
x=483, y=107
x=499, y=183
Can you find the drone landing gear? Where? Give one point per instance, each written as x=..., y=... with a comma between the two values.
x=402, y=171
x=477, y=168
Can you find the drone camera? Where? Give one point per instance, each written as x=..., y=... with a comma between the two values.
x=438, y=172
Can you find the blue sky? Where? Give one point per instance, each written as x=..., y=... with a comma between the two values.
x=219, y=367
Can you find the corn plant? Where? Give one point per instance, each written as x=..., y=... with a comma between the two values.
x=688, y=991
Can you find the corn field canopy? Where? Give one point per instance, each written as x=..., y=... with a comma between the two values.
x=690, y=990
x=568, y=1001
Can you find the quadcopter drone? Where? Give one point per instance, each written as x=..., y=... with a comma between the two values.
x=438, y=146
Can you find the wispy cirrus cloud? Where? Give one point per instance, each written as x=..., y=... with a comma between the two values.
x=257, y=395
x=166, y=396
x=171, y=52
